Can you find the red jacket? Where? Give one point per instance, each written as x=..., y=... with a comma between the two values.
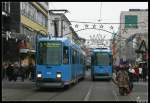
x=136, y=71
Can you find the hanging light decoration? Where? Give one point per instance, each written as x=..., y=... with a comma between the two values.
x=86, y=25
x=111, y=27
x=94, y=26
x=101, y=26
x=76, y=26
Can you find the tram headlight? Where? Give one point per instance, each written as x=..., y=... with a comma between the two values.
x=58, y=75
x=39, y=75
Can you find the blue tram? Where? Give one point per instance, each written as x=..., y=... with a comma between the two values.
x=101, y=63
x=60, y=62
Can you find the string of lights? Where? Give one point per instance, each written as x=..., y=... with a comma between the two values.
x=97, y=22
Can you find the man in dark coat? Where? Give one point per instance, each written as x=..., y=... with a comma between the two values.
x=130, y=73
x=144, y=72
x=9, y=72
x=15, y=73
x=22, y=73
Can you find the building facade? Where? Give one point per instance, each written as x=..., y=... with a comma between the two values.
x=27, y=19
x=132, y=30
x=60, y=26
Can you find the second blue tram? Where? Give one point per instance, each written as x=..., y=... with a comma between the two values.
x=101, y=63
x=60, y=62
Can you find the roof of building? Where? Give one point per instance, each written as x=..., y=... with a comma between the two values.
x=60, y=14
x=138, y=9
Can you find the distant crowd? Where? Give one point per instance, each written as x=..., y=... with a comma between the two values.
x=11, y=71
x=138, y=71
x=126, y=74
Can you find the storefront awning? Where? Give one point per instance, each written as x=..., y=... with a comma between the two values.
x=26, y=51
x=23, y=50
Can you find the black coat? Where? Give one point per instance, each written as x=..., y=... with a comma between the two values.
x=9, y=71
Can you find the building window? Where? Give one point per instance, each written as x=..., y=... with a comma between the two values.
x=131, y=21
x=32, y=13
x=6, y=7
x=42, y=19
x=3, y=6
x=24, y=8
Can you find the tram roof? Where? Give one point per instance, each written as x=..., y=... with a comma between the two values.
x=65, y=40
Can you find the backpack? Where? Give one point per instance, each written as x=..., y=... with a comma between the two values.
x=121, y=76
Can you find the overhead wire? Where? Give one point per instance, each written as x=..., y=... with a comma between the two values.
x=100, y=10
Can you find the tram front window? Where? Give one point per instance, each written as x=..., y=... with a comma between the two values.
x=49, y=53
x=103, y=59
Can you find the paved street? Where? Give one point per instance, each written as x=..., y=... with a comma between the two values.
x=85, y=90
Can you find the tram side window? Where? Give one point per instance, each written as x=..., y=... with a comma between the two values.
x=81, y=59
x=65, y=55
x=74, y=57
x=110, y=62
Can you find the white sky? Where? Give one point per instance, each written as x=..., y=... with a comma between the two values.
x=90, y=12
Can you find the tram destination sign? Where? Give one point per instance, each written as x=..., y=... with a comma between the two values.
x=50, y=44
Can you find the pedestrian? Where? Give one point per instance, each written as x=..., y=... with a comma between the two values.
x=27, y=71
x=30, y=69
x=144, y=72
x=15, y=73
x=9, y=72
x=33, y=73
x=123, y=80
x=117, y=69
x=130, y=73
x=136, y=74
x=4, y=67
x=22, y=73
x=140, y=71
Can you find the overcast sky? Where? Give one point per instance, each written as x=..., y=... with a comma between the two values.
x=93, y=11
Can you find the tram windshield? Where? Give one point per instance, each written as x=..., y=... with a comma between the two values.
x=103, y=59
x=49, y=53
